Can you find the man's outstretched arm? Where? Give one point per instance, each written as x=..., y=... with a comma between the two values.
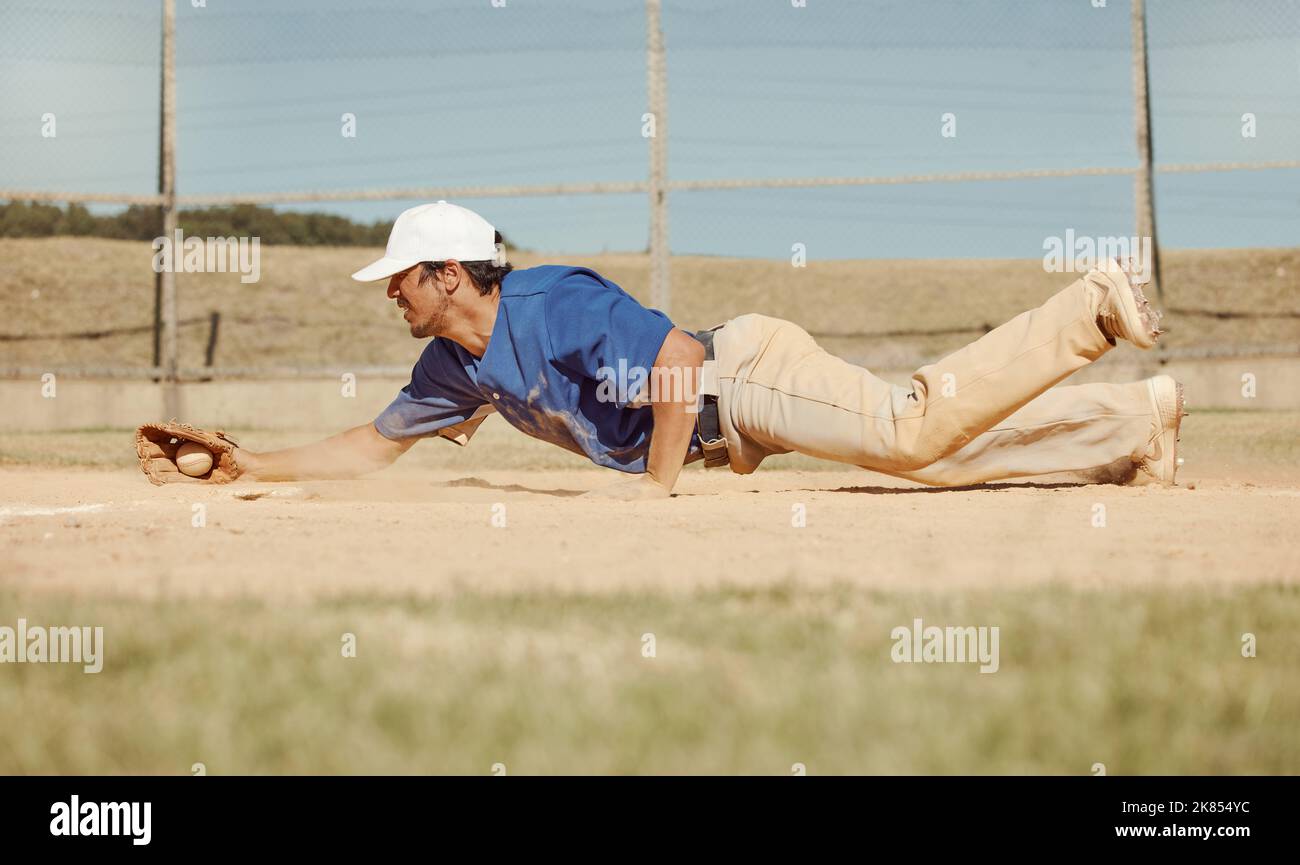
x=349, y=454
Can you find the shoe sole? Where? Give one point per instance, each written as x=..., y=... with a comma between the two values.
x=1140, y=320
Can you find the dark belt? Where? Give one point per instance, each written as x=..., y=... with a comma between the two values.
x=706, y=422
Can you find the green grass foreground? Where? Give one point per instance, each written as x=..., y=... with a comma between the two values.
x=1143, y=681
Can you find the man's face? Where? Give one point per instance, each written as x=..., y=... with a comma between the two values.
x=423, y=304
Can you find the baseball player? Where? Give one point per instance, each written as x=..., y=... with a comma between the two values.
x=566, y=356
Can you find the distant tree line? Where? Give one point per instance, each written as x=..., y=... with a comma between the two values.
x=139, y=222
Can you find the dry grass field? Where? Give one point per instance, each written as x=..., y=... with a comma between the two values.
x=501, y=618
x=305, y=310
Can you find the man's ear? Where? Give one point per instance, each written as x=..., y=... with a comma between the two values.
x=453, y=275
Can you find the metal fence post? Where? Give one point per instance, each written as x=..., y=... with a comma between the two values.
x=657, y=94
x=165, y=311
x=1144, y=201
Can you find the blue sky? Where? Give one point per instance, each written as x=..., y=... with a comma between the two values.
x=458, y=92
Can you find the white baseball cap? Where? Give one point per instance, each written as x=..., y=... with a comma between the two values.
x=433, y=232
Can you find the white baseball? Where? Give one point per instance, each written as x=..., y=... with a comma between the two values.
x=193, y=459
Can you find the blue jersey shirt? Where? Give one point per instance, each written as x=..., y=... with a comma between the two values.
x=559, y=331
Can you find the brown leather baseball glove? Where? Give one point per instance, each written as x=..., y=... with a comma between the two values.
x=157, y=443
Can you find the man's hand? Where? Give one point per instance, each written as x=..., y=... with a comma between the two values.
x=634, y=489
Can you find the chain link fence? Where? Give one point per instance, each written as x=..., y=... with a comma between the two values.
x=886, y=175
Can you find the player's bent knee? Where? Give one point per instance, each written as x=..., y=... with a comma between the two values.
x=910, y=464
x=911, y=457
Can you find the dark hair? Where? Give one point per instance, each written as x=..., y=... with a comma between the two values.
x=486, y=275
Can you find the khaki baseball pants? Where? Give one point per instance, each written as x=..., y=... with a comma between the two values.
x=983, y=413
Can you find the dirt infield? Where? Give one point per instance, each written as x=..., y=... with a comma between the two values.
x=436, y=532
x=1229, y=521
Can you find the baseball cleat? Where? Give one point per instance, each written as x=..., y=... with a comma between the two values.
x=1161, y=462
x=1123, y=311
